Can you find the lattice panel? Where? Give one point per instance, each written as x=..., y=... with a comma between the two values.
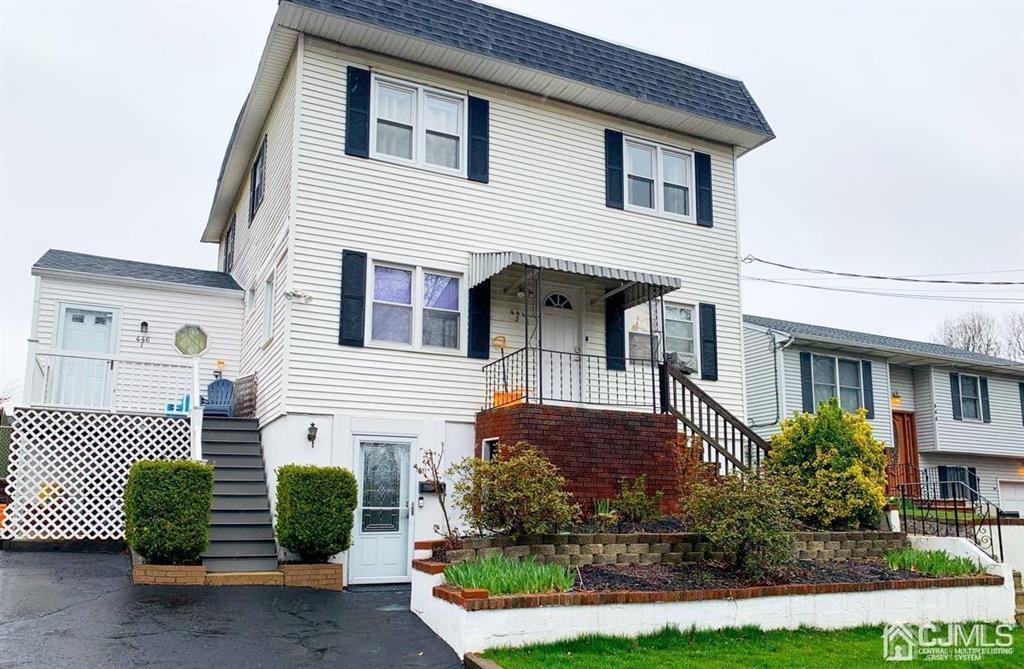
x=68, y=470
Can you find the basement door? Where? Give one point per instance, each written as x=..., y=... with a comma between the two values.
x=84, y=382
x=562, y=366
x=380, y=547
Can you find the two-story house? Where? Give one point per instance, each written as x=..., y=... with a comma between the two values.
x=443, y=225
x=945, y=414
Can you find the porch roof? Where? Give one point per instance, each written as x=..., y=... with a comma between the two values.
x=637, y=286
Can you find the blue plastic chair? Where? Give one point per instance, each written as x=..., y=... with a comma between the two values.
x=221, y=401
x=180, y=408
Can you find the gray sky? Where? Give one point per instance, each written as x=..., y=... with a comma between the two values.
x=900, y=144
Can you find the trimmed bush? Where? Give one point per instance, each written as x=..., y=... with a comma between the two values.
x=167, y=510
x=634, y=504
x=833, y=465
x=315, y=508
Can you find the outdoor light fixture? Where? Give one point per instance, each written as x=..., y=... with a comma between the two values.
x=897, y=399
x=143, y=327
x=311, y=434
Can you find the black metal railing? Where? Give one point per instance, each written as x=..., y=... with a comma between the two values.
x=950, y=509
x=531, y=375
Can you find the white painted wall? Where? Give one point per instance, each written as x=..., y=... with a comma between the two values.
x=1013, y=546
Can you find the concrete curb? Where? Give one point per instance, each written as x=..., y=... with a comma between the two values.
x=474, y=661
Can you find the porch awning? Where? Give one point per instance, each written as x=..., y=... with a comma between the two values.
x=637, y=286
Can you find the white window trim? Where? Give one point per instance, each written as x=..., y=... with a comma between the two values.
x=419, y=130
x=493, y=443
x=416, y=336
x=267, y=314
x=663, y=344
x=836, y=386
x=977, y=398
x=659, y=184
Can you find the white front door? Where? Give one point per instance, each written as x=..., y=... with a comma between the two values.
x=562, y=368
x=81, y=382
x=1011, y=496
x=380, y=547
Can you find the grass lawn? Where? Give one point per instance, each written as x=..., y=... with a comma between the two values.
x=727, y=649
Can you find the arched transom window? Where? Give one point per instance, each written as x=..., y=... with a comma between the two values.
x=558, y=301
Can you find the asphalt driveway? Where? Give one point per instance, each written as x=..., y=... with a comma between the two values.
x=81, y=610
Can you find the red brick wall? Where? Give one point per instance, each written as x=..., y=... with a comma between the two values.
x=594, y=449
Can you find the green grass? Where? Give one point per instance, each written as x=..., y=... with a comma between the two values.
x=932, y=563
x=912, y=511
x=509, y=576
x=729, y=649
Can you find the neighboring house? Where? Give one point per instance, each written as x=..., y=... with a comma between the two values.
x=435, y=208
x=957, y=414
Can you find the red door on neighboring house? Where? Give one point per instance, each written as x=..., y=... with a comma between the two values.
x=903, y=465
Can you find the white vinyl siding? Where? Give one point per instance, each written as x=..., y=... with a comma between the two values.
x=1003, y=436
x=546, y=196
x=902, y=381
x=990, y=470
x=764, y=401
x=924, y=408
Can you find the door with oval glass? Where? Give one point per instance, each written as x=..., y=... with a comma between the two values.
x=562, y=368
x=380, y=547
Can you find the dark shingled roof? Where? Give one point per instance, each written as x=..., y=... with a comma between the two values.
x=496, y=33
x=867, y=340
x=129, y=269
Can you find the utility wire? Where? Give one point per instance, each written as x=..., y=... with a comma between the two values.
x=751, y=258
x=881, y=293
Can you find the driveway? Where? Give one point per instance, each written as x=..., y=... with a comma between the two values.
x=81, y=610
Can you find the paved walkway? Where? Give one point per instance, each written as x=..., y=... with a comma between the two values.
x=81, y=610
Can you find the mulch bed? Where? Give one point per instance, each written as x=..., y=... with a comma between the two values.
x=656, y=577
x=664, y=525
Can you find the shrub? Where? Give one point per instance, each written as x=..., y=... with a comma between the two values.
x=834, y=466
x=500, y=575
x=520, y=493
x=604, y=516
x=315, y=508
x=932, y=563
x=167, y=509
x=747, y=517
x=634, y=504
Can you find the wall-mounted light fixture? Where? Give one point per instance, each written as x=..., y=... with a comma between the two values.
x=311, y=434
x=897, y=399
x=143, y=327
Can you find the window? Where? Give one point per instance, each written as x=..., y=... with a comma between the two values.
x=837, y=377
x=489, y=449
x=417, y=307
x=419, y=126
x=659, y=180
x=257, y=180
x=970, y=404
x=229, y=246
x=679, y=330
x=268, y=309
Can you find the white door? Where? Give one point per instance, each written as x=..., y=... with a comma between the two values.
x=562, y=366
x=82, y=382
x=1011, y=496
x=380, y=546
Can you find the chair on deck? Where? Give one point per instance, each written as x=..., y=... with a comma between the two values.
x=221, y=400
x=180, y=408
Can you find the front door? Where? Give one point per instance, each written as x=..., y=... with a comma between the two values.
x=380, y=549
x=562, y=368
x=904, y=456
x=83, y=382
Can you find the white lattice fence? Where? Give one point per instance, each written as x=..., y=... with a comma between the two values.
x=68, y=469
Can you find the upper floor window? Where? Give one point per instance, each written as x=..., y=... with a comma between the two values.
x=419, y=126
x=257, y=180
x=970, y=397
x=659, y=179
x=416, y=307
x=837, y=377
x=229, y=246
x=679, y=330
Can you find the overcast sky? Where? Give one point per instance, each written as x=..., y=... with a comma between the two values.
x=900, y=145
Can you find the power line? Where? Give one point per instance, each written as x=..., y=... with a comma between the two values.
x=751, y=258
x=879, y=293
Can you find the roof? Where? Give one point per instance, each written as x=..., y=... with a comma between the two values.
x=503, y=35
x=82, y=263
x=639, y=286
x=867, y=340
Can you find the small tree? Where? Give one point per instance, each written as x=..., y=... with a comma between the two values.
x=833, y=465
x=430, y=468
x=520, y=493
x=973, y=331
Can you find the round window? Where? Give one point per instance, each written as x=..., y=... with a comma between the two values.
x=190, y=340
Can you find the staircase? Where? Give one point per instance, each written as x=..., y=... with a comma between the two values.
x=241, y=532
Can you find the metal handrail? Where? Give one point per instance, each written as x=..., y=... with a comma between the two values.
x=951, y=508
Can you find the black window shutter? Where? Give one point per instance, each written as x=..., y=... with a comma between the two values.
x=615, y=332
x=613, y=175
x=357, y=112
x=479, y=140
x=944, y=487
x=986, y=409
x=479, y=344
x=1020, y=389
x=702, y=169
x=954, y=391
x=869, y=387
x=708, y=343
x=972, y=483
x=353, y=298
x=806, y=383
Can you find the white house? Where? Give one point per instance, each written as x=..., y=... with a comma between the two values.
x=950, y=413
x=428, y=210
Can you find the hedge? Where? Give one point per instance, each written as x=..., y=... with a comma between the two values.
x=167, y=510
x=315, y=508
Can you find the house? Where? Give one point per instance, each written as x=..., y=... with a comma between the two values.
x=945, y=414
x=443, y=225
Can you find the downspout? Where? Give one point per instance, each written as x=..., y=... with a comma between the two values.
x=776, y=350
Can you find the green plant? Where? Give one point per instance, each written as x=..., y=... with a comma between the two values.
x=634, y=504
x=500, y=575
x=604, y=516
x=315, y=510
x=932, y=563
x=518, y=494
x=747, y=517
x=833, y=465
x=430, y=467
x=167, y=509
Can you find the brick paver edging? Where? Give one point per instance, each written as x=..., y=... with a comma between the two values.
x=478, y=600
x=320, y=576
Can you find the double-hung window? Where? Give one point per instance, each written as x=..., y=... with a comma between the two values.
x=659, y=180
x=419, y=126
x=679, y=330
x=417, y=307
x=837, y=377
x=229, y=246
x=970, y=403
x=257, y=180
